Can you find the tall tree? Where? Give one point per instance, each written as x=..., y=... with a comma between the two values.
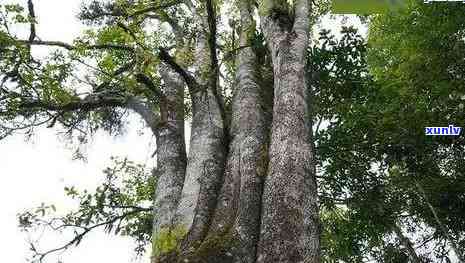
x=289, y=228
x=247, y=190
x=233, y=196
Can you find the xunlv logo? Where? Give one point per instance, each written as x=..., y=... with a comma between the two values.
x=451, y=130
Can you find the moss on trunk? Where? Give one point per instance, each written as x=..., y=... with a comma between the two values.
x=213, y=249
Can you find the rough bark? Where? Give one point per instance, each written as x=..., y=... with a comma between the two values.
x=277, y=221
x=204, y=169
x=171, y=155
x=268, y=200
x=144, y=110
x=238, y=210
x=207, y=151
x=289, y=224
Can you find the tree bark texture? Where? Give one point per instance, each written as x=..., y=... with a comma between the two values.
x=207, y=153
x=289, y=229
x=249, y=184
x=171, y=153
x=239, y=205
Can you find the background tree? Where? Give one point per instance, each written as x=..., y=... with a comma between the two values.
x=133, y=56
x=374, y=153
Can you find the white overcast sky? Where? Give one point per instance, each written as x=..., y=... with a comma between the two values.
x=37, y=171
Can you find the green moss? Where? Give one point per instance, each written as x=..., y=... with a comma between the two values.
x=268, y=7
x=265, y=7
x=251, y=32
x=167, y=240
x=213, y=249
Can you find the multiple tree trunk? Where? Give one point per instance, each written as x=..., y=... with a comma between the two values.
x=246, y=192
x=249, y=179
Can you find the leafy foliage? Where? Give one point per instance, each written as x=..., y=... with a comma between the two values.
x=370, y=101
x=426, y=77
x=84, y=85
x=374, y=101
x=121, y=206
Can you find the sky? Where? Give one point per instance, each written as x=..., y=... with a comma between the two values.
x=37, y=170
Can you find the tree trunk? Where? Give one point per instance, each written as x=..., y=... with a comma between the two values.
x=171, y=158
x=289, y=228
x=239, y=205
x=207, y=153
x=441, y=226
x=260, y=203
x=407, y=244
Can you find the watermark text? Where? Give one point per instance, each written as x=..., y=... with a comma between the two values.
x=450, y=130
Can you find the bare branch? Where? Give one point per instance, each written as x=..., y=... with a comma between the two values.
x=212, y=41
x=72, y=47
x=79, y=236
x=91, y=102
x=188, y=78
x=32, y=16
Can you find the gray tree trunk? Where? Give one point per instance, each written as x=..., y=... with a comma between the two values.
x=171, y=155
x=207, y=152
x=264, y=194
x=289, y=225
x=239, y=205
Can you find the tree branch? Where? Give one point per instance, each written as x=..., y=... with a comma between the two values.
x=150, y=117
x=78, y=237
x=89, y=103
x=143, y=79
x=188, y=78
x=177, y=30
x=212, y=41
x=143, y=11
x=72, y=47
x=155, y=8
x=301, y=20
x=32, y=16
